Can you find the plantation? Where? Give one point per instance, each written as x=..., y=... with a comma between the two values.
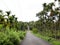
x=48, y=25
x=11, y=32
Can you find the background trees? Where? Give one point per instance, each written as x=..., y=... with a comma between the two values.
x=49, y=20
x=11, y=29
x=10, y=21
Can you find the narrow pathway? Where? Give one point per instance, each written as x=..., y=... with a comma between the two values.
x=30, y=39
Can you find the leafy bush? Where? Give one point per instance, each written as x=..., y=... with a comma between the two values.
x=11, y=37
x=4, y=40
x=14, y=37
x=21, y=34
x=35, y=30
x=1, y=27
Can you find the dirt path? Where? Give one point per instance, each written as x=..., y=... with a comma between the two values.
x=30, y=39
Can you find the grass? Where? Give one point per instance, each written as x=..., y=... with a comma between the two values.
x=49, y=39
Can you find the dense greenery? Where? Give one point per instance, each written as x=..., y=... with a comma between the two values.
x=12, y=31
x=11, y=37
x=49, y=20
x=10, y=21
x=48, y=25
x=51, y=40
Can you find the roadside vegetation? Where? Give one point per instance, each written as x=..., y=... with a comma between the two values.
x=51, y=40
x=48, y=25
x=12, y=31
x=11, y=37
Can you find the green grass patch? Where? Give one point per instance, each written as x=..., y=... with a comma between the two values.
x=49, y=39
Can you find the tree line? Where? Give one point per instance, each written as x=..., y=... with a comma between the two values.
x=7, y=20
x=49, y=20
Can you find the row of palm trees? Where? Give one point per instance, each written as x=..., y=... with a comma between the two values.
x=8, y=20
x=49, y=21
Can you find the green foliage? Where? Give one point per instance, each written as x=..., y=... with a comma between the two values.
x=21, y=34
x=47, y=24
x=9, y=29
x=11, y=37
x=4, y=40
x=35, y=30
x=49, y=39
x=56, y=42
x=14, y=37
x=22, y=25
x=1, y=27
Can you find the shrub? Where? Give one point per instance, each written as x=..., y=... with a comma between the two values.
x=10, y=37
x=21, y=34
x=35, y=30
x=4, y=40
x=14, y=37
x=1, y=27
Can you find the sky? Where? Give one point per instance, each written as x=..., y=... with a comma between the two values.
x=25, y=10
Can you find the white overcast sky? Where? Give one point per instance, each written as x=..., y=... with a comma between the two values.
x=25, y=10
